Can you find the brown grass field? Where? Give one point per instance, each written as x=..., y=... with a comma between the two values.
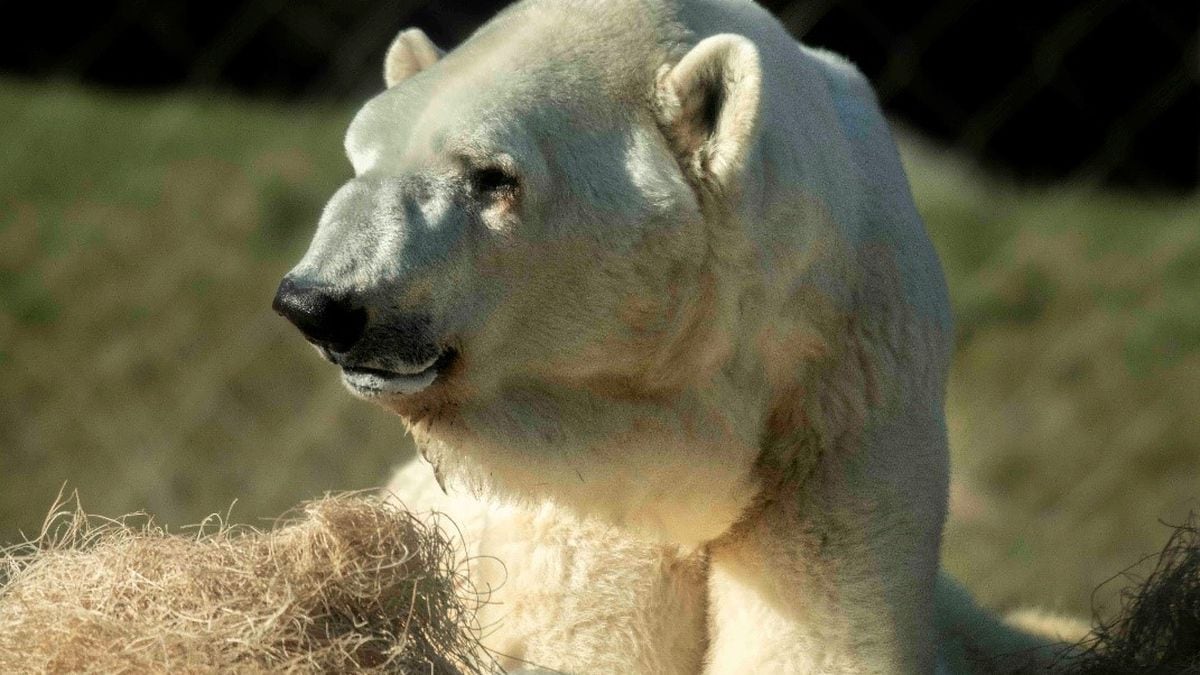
x=141, y=238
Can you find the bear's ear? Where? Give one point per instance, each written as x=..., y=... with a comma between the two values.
x=708, y=106
x=411, y=52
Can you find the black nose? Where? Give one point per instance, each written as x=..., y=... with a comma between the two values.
x=327, y=319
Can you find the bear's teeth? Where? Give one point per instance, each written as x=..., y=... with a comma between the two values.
x=419, y=368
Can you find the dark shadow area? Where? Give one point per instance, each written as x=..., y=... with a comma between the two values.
x=1106, y=91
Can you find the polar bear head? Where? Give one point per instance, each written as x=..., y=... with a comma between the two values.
x=540, y=263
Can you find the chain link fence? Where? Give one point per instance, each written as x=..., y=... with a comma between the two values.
x=1105, y=90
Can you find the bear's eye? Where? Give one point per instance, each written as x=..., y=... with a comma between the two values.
x=493, y=180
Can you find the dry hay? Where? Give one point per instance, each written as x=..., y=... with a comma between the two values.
x=1158, y=629
x=352, y=583
x=347, y=583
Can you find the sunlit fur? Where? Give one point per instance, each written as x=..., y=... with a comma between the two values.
x=702, y=344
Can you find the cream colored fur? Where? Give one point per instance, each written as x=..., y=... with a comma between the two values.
x=574, y=595
x=702, y=336
x=411, y=52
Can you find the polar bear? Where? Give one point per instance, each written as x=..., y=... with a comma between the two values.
x=645, y=281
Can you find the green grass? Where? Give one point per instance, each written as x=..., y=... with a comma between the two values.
x=141, y=238
x=1076, y=384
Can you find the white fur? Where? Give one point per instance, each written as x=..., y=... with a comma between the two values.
x=411, y=52
x=578, y=596
x=708, y=317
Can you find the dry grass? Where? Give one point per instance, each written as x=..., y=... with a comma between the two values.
x=1158, y=629
x=141, y=239
x=349, y=583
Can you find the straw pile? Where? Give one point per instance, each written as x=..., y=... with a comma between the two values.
x=1158, y=628
x=346, y=583
x=353, y=583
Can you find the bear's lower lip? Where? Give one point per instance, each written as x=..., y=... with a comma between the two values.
x=377, y=381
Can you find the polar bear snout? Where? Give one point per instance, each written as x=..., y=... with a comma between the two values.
x=396, y=354
x=327, y=319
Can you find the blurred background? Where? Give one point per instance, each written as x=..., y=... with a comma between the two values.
x=164, y=164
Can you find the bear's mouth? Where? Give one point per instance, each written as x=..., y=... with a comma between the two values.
x=369, y=382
